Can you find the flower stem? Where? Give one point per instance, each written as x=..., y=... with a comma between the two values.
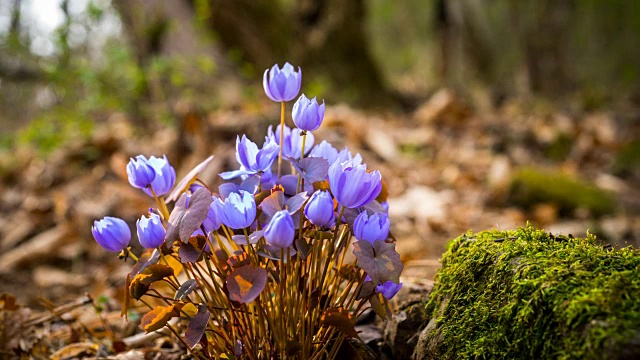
x=282, y=109
x=162, y=206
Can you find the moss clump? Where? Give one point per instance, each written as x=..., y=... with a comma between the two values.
x=526, y=294
x=531, y=186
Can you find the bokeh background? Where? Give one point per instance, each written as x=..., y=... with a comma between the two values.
x=480, y=114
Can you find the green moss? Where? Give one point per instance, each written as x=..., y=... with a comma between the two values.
x=526, y=294
x=531, y=186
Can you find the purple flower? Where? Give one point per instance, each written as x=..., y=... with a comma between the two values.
x=326, y=151
x=352, y=185
x=280, y=230
x=238, y=210
x=345, y=155
x=151, y=232
x=371, y=228
x=111, y=233
x=165, y=176
x=292, y=141
x=307, y=114
x=252, y=160
x=388, y=289
x=282, y=85
x=140, y=172
x=212, y=222
x=319, y=209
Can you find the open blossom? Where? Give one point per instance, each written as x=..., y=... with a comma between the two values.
x=319, y=209
x=292, y=141
x=238, y=210
x=140, y=172
x=307, y=114
x=352, y=185
x=282, y=84
x=150, y=230
x=111, y=233
x=280, y=230
x=251, y=159
x=165, y=176
x=371, y=228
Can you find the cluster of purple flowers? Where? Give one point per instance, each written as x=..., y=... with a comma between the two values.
x=351, y=187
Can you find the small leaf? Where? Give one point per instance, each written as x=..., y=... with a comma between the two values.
x=380, y=261
x=195, y=214
x=173, y=224
x=380, y=306
x=158, y=317
x=272, y=203
x=144, y=261
x=312, y=169
x=188, y=253
x=303, y=247
x=342, y=319
x=184, y=183
x=154, y=273
x=246, y=283
x=295, y=202
x=185, y=289
x=348, y=272
x=190, y=310
x=366, y=290
x=139, y=285
x=197, y=325
x=250, y=184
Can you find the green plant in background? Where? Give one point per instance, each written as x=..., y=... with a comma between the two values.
x=531, y=186
x=527, y=294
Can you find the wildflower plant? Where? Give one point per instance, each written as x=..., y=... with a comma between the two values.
x=261, y=268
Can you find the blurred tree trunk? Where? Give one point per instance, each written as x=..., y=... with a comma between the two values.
x=168, y=29
x=325, y=37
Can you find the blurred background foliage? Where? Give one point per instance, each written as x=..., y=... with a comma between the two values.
x=67, y=64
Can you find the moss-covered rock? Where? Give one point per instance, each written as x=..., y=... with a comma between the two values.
x=530, y=187
x=526, y=294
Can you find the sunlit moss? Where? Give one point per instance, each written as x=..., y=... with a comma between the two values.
x=526, y=294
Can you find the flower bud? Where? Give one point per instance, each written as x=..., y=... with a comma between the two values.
x=326, y=151
x=150, y=230
x=280, y=230
x=319, y=209
x=238, y=210
x=351, y=183
x=140, y=173
x=282, y=85
x=165, y=176
x=388, y=289
x=212, y=222
x=307, y=114
x=371, y=228
x=111, y=233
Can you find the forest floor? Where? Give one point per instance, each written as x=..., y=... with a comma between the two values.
x=449, y=168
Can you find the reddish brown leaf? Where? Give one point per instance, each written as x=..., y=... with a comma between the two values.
x=158, y=317
x=380, y=261
x=197, y=325
x=246, y=283
x=342, y=319
x=184, y=183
